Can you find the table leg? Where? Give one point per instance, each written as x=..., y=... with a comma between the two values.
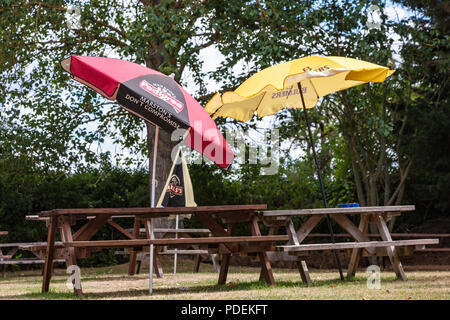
x=71, y=259
x=224, y=268
x=266, y=268
x=304, y=272
x=391, y=251
x=356, y=253
x=197, y=261
x=50, y=252
x=138, y=268
x=301, y=264
x=133, y=255
x=272, y=231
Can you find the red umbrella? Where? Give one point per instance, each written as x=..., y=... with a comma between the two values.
x=154, y=97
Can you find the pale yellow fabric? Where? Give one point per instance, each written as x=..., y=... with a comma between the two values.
x=275, y=88
x=188, y=190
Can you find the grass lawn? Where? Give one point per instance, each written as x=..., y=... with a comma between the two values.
x=114, y=283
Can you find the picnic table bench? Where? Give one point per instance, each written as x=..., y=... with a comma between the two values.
x=11, y=250
x=275, y=219
x=404, y=251
x=140, y=256
x=79, y=243
x=165, y=250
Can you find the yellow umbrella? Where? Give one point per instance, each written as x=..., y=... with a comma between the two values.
x=275, y=88
x=297, y=83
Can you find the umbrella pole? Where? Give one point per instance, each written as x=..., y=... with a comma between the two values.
x=155, y=151
x=175, y=255
x=322, y=187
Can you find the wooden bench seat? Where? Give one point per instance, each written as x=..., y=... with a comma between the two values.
x=138, y=243
x=393, y=210
x=433, y=250
x=35, y=246
x=354, y=245
x=171, y=252
x=179, y=241
x=28, y=261
x=168, y=230
x=187, y=252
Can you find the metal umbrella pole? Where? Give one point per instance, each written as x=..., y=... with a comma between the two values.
x=175, y=255
x=322, y=187
x=155, y=151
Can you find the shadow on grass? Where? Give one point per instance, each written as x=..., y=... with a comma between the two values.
x=229, y=287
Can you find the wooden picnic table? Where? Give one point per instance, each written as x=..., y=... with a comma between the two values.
x=379, y=215
x=76, y=244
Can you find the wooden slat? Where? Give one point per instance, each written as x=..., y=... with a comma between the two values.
x=36, y=246
x=307, y=227
x=121, y=230
x=171, y=230
x=29, y=261
x=154, y=212
x=166, y=230
x=90, y=229
x=352, y=245
x=133, y=255
x=292, y=233
x=357, y=252
x=304, y=272
x=165, y=242
x=266, y=268
x=184, y=252
x=71, y=259
x=433, y=250
x=224, y=269
x=348, y=226
x=50, y=251
x=283, y=256
x=352, y=210
x=392, y=253
x=381, y=252
x=216, y=228
x=376, y=235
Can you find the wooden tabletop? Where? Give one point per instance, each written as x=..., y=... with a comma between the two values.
x=155, y=212
x=351, y=210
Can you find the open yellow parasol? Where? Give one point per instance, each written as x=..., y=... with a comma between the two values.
x=297, y=83
x=275, y=88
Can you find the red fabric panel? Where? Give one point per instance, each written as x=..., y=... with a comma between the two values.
x=106, y=73
x=204, y=136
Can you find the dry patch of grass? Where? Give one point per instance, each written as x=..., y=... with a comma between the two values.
x=242, y=283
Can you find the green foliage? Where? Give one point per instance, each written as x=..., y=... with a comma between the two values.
x=25, y=192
